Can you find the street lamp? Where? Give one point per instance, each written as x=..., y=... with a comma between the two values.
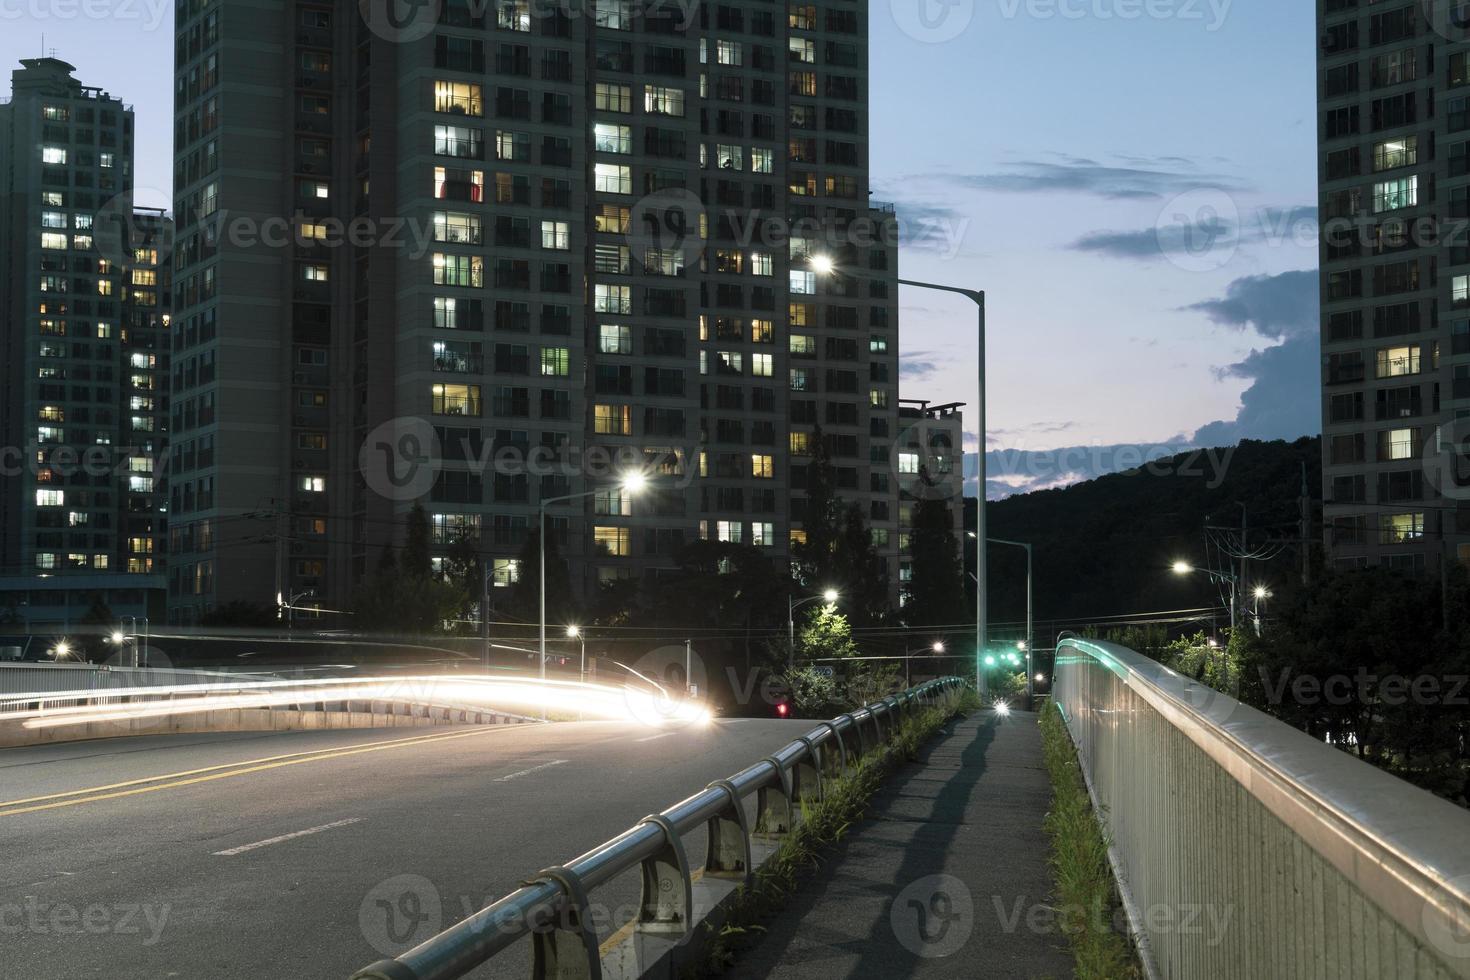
x=824, y=265
x=792, y=604
x=908, y=655
x=1025, y=644
x=1228, y=578
x=632, y=483
x=575, y=633
x=1259, y=593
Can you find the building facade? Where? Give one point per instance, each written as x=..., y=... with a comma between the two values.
x=1394, y=156
x=85, y=406
x=523, y=248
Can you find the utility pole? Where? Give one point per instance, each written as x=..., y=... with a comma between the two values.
x=485, y=608
x=1305, y=503
x=1240, y=582
x=688, y=667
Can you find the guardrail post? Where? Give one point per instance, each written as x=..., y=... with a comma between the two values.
x=834, y=764
x=728, y=855
x=668, y=891
x=877, y=725
x=861, y=743
x=806, y=776
x=566, y=948
x=774, y=810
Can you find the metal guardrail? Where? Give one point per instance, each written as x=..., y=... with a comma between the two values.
x=1246, y=848
x=553, y=907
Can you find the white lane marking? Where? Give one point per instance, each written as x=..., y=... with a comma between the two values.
x=652, y=737
x=285, y=837
x=527, y=772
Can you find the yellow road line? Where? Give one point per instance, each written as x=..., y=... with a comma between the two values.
x=97, y=793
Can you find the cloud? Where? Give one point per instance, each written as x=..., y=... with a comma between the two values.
x=1134, y=179
x=1014, y=471
x=1274, y=306
x=1172, y=237
x=919, y=365
x=1282, y=400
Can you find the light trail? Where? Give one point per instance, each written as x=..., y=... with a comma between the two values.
x=598, y=701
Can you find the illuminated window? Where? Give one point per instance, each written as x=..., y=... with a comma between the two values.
x=612, y=138
x=455, y=399
x=612, y=420
x=662, y=100
x=1395, y=362
x=762, y=467
x=614, y=339
x=1400, y=528
x=613, y=178
x=461, y=98
x=613, y=541
x=311, y=484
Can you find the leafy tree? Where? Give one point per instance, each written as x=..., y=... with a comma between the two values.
x=936, y=593
x=812, y=693
x=825, y=634
x=525, y=596
x=821, y=520
x=417, y=562
x=464, y=570
x=858, y=574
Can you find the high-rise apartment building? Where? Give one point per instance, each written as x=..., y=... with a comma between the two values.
x=85, y=362
x=519, y=245
x=1394, y=94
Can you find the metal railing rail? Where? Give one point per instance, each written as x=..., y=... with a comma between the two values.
x=553, y=906
x=24, y=678
x=1245, y=847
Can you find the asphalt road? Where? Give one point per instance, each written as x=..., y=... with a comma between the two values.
x=310, y=854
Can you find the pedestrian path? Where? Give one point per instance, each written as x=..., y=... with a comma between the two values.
x=947, y=877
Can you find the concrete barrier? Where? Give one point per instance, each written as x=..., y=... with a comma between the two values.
x=356, y=714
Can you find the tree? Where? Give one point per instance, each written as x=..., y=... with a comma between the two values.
x=525, y=596
x=825, y=635
x=464, y=570
x=417, y=562
x=821, y=518
x=936, y=593
x=859, y=575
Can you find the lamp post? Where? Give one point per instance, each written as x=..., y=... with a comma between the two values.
x=908, y=655
x=575, y=633
x=823, y=265
x=632, y=483
x=1259, y=593
x=1228, y=578
x=1030, y=640
x=792, y=604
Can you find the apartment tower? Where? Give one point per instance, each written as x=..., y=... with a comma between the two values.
x=1394, y=93
x=84, y=414
x=525, y=246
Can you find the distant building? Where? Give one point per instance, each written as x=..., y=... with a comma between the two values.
x=580, y=235
x=85, y=362
x=1394, y=156
x=930, y=465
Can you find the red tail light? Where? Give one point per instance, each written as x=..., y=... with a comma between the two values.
x=781, y=709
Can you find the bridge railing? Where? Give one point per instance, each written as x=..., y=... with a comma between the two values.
x=553, y=907
x=1247, y=848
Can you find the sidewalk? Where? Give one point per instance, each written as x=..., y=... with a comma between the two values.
x=946, y=878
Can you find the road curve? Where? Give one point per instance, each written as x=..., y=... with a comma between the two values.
x=309, y=854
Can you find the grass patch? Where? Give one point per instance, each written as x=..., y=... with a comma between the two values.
x=821, y=826
x=1086, y=893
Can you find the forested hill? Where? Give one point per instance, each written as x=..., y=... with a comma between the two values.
x=1106, y=546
